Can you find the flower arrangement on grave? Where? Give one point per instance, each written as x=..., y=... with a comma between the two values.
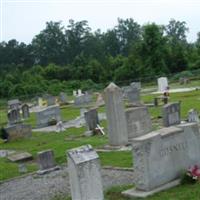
x=192, y=175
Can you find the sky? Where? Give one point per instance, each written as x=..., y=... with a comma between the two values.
x=23, y=19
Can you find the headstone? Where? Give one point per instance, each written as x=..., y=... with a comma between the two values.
x=133, y=95
x=100, y=100
x=74, y=93
x=136, y=85
x=91, y=118
x=17, y=131
x=125, y=90
x=25, y=111
x=82, y=100
x=160, y=158
x=117, y=126
x=46, y=162
x=22, y=156
x=63, y=97
x=51, y=100
x=184, y=80
x=14, y=116
x=193, y=116
x=162, y=84
x=48, y=114
x=84, y=173
x=171, y=114
x=14, y=104
x=138, y=121
x=82, y=111
x=79, y=92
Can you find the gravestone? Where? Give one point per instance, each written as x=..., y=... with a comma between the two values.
x=91, y=118
x=79, y=92
x=100, y=100
x=193, y=116
x=74, y=93
x=20, y=156
x=133, y=95
x=84, y=173
x=125, y=90
x=82, y=99
x=138, y=121
x=17, y=131
x=136, y=85
x=162, y=84
x=14, y=104
x=51, y=100
x=46, y=161
x=160, y=158
x=117, y=126
x=13, y=116
x=48, y=114
x=25, y=111
x=171, y=114
x=63, y=97
x=82, y=111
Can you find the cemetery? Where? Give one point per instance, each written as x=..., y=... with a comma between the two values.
x=150, y=145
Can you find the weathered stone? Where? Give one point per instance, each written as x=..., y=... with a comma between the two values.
x=82, y=99
x=25, y=111
x=46, y=161
x=171, y=114
x=161, y=156
x=63, y=97
x=14, y=104
x=138, y=121
x=193, y=116
x=17, y=131
x=13, y=116
x=91, y=118
x=100, y=100
x=136, y=85
x=48, y=114
x=84, y=172
x=117, y=126
x=133, y=95
x=20, y=157
x=162, y=84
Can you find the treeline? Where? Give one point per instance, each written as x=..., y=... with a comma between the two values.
x=63, y=58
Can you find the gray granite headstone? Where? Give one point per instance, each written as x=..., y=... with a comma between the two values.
x=14, y=104
x=14, y=116
x=117, y=126
x=82, y=99
x=171, y=114
x=84, y=173
x=136, y=85
x=63, y=97
x=46, y=161
x=193, y=116
x=25, y=111
x=133, y=95
x=47, y=114
x=91, y=118
x=138, y=121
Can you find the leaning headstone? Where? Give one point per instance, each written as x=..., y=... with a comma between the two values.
x=84, y=173
x=193, y=116
x=138, y=122
x=46, y=115
x=91, y=118
x=171, y=114
x=160, y=158
x=17, y=131
x=162, y=84
x=117, y=126
x=18, y=157
x=25, y=111
x=13, y=116
x=46, y=162
x=63, y=97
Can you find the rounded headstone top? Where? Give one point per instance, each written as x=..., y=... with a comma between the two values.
x=112, y=87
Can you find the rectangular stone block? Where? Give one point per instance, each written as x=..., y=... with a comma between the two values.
x=82, y=100
x=162, y=84
x=91, y=118
x=161, y=156
x=84, y=172
x=138, y=121
x=171, y=114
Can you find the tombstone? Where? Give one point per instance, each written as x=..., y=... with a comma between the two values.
x=100, y=100
x=161, y=156
x=46, y=161
x=162, y=84
x=17, y=131
x=184, y=80
x=14, y=104
x=133, y=95
x=82, y=111
x=79, y=92
x=74, y=93
x=63, y=97
x=46, y=115
x=82, y=100
x=25, y=111
x=193, y=116
x=171, y=114
x=84, y=173
x=117, y=126
x=91, y=118
x=51, y=100
x=125, y=90
x=13, y=116
x=138, y=121
x=136, y=85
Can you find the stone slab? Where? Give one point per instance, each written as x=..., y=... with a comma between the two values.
x=143, y=194
x=19, y=157
x=45, y=171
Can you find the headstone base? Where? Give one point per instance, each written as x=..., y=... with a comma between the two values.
x=143, y=194
x=45, y=171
